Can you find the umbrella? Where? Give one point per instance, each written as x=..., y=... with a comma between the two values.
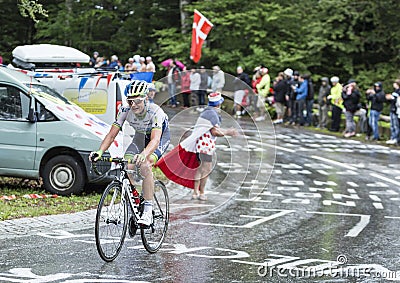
x=166, y=63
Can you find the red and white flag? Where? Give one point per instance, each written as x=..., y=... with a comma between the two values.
x=201, y=28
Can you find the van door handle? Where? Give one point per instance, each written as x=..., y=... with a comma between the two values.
x=41, y=139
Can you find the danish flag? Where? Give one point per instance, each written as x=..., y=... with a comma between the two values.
x=201, y=28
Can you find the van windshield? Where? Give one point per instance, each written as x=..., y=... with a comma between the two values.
x=45, y=89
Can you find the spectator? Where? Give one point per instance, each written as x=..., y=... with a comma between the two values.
x=101, y=62
x=205, y=144
x=351, y=103
x=195, y=80
x=309, y=100
x=136, y=62
x=93, y=59
x=394, y=113
x=143, y=66
x=301, y=94
x=254, y=82
x=263, y=89
x=218, y=79
x=323, y=92
x=336, y=100
x=376, y=96
x=173, y=77
x=129, y=66
x=241, y=88
x=185, y=87
x=203, y=86
x=150, y=67
x=281, y=89
x=287, y=76
x=293, y=82
x=152, y=92
x=114, y=62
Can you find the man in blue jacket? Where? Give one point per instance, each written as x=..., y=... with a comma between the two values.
x=301, y=94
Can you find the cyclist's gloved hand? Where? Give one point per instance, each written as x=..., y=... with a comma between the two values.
x=95, y=155
x=139, y=159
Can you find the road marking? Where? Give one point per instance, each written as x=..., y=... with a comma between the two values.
x=260, y=219
x=273, y=146
x=356, y=230
x=377, y=205
x=385, y=179
x=340, y=164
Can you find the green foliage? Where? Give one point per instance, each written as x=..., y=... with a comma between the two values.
x=29, y=8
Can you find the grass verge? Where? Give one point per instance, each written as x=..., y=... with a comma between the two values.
x=21, y=206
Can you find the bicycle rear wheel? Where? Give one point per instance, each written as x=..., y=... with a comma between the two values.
x=111, y=222
x=154, y=236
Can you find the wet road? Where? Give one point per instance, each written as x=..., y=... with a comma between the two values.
x=329, y=213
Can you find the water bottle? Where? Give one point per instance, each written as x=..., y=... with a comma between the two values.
x=135, y=195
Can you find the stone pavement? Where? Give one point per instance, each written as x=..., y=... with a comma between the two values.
x=30, y=226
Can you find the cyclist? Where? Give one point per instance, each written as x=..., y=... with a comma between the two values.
x=150, y=141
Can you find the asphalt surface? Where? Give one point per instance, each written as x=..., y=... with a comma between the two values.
x=284, y=205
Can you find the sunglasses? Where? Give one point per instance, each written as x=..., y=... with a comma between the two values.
x=136, y=101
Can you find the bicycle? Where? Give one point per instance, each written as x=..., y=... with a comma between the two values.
x=121, y=200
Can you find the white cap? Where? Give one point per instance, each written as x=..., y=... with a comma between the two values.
x=288, y=72
x=335, y=79
x=148, y=58
x=136, y=58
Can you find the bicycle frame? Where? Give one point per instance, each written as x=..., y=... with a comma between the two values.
x=123, y=179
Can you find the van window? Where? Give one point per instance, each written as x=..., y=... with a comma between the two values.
x=14, y=104
x=48, y=90
x=43, y=114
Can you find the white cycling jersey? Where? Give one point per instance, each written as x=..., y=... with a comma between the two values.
x=153, y=118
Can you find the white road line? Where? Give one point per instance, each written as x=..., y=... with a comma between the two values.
x=340, y=164
x=364, y=221
x=385, y=179
x=393, y=217
x=274, y=146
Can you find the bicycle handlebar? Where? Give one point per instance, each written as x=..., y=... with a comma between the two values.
x=118, y=160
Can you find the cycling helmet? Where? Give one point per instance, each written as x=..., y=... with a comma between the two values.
x=137, y=88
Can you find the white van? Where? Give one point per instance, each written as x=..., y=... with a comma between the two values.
x=43, y=135
x=98, y=92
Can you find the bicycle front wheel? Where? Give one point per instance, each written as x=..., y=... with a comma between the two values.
x=154, y=236
x=111, y=222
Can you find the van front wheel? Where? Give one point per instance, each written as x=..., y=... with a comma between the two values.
x=63, y=175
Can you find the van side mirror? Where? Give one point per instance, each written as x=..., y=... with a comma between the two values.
x=32, y=115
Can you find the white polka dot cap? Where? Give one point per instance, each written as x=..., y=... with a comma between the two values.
x=215, y=99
